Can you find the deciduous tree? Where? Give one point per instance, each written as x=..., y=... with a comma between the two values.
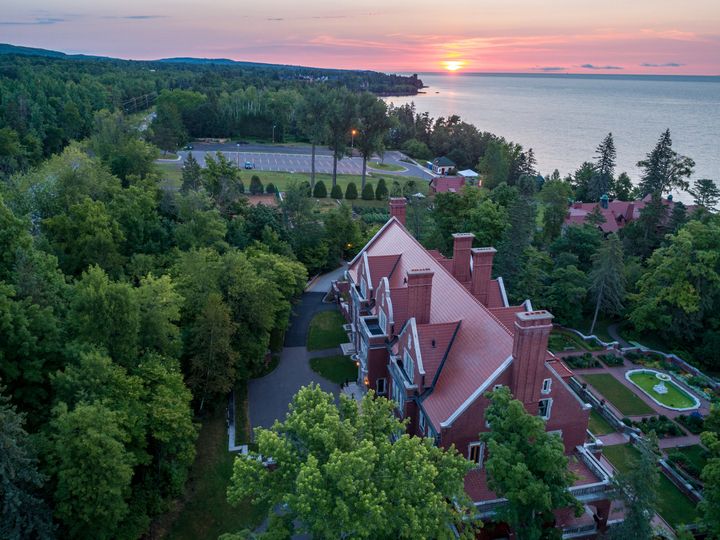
x=526, y=465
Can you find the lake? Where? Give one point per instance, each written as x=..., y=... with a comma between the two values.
x=564, y=117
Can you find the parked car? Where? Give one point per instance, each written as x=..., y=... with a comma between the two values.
x=188, y=147
x=249, y=165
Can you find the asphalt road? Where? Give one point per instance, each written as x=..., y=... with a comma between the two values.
x=298, y=159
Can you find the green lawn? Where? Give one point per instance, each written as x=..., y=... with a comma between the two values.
x=385, y=166
x=171, y=173
x=600, y=327
x=598, y=425
x=204, y=511
x=616, y=393
x=673, y=506
x=337, y=369
x=675, y=396
x=326, y=331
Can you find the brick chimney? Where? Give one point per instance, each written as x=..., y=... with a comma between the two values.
x=482, y=263
x=462, y=244
x=532, y=330
x=398, y=208
x=419, y=283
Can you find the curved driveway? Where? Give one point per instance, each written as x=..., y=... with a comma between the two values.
x=269, y=396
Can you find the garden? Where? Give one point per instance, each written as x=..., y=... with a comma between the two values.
x=566, y=341
x=662, y=389
x=661, y=425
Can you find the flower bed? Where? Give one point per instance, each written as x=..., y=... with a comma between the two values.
x=661, y=425
x=587, y=360
x=694, y=422
x=612, y=360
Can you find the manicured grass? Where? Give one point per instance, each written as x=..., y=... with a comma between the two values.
x=326, y=331
x=675, y=396
x=673, y=505
x=204, y=512
x=601, y=328
x=616, y=393
x=598, y=425
x=385, y=166
x=171, y=173
x=337, y=369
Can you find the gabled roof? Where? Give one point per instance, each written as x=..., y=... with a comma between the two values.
x=482, y=344
x=468, y=173
x=443, y=161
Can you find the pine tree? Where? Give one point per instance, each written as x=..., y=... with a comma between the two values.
x=320, y=191
x=705, y=193
x=191, y=174
x=368, y=194
x=336, y=192
x=23, y=514
x=270, y=188
x=602, y=178
x=519, y=233
x=381, y=191
x=664, y=169
x=351, y=191
x=256, y=186
x=607, y=279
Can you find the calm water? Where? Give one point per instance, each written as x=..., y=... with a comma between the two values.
x=563, y=118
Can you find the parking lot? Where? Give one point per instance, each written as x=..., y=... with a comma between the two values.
x=265, y=161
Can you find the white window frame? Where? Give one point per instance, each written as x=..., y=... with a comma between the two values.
x=497, y=387
x=548, y=409
x=382, y=380
x=363, y=287
x=408, y=365
x=398, y=395
x=382, y=319
x=546, y=386
x=481, y=453
x=421, y=422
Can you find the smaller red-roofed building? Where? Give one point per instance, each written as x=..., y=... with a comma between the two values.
x=447, y=184
x=617, y=214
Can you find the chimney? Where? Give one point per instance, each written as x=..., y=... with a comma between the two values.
x=398, y=208
x=577, y=204
x=419, y=283
x=462, y=243
x=482, y=263
x=604, y=201
x=530, y=342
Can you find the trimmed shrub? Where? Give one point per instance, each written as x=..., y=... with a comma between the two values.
x=396, y=189
x=256, y=186
x=241, y=186
x=336, y=192
x=611, y=360
x=270, y=188
x=694, y=423
x=368, y=193
x=351, y=192
x=320, y=191
x=381, y=191
x=305, y=188
x=587, y=360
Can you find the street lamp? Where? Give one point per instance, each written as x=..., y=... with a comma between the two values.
x=238, y=155
x=274, y=126
x=353, y=132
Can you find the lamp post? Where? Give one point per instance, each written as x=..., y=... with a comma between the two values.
x=274, y=126
x=353, y=132
x=238, y=155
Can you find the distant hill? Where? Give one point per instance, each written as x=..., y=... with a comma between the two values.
x=6, y=48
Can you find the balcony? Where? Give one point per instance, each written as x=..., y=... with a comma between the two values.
x=373, y=326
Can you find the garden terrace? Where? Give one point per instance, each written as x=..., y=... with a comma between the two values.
x=662, y=390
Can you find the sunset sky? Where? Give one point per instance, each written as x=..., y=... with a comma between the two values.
x=573, y=36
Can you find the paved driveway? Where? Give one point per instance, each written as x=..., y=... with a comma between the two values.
x=269, y=396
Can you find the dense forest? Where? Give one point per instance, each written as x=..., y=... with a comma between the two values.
x=128, y=309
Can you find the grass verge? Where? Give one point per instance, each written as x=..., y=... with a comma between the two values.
x=598, y=425
x=326, y=331
x=379, y=165
x=672, y=504
x=337, y=369
x=618, y=394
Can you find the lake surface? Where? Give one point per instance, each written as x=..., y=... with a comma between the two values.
x=564, y=117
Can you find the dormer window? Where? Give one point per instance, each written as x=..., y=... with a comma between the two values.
x=383, y=320
x=546, y=386
x=363, y=288
x=544, y=408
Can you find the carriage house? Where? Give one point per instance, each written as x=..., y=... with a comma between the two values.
x=436, y=334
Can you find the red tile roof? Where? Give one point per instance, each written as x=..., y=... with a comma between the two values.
x=380, y=267
x=443, y=184
x=482, y=344
x=434, y=342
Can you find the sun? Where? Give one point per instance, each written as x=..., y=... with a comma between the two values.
x=453, y=65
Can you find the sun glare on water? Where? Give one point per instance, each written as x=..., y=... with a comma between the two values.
x=453, y=65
